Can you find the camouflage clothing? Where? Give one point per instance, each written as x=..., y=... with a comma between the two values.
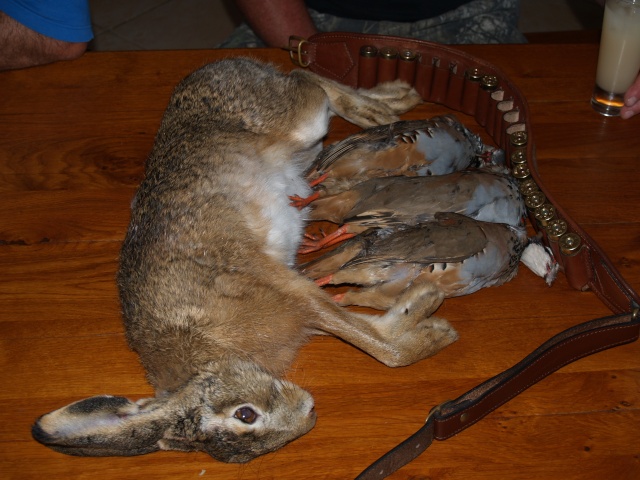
x=479, y=21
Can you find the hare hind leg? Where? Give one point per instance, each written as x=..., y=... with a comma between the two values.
x=405, y=334
x=366, y=108
x=409, y=324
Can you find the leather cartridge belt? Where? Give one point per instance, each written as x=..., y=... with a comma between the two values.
x=464, y=83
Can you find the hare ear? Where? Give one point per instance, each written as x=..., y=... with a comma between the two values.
x=102, y=426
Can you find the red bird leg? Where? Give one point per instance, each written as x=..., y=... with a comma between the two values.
x=312, y=237
x=341, y=238
x=338, y=297
x=319, y=180
x=322, y=281
x=300, y=203
x=310, y=245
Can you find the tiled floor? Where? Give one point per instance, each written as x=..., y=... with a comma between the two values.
x=178, y=24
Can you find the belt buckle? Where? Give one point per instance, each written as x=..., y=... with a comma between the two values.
x=295, y=51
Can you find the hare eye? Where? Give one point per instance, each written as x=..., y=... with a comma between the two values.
x=246, y=415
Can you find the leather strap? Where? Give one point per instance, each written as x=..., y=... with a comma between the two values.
x=464, y=83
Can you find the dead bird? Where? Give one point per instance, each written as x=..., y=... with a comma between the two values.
x=458, y=254
x=435, y=146
x=485, y=195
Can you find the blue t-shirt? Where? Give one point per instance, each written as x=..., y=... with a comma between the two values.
x=67, y=20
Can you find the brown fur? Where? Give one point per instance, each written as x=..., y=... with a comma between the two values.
x=210, y=302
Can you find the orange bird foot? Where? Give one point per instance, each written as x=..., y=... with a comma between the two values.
x=299, y=202
x=311, y=243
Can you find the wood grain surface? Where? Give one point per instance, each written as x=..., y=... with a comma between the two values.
x=73, y=141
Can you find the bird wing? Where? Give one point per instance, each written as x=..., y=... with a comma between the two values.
x=390, y=201
x=384, y=134
x=450, y=238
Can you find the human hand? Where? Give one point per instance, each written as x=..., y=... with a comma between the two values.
x=631, y=100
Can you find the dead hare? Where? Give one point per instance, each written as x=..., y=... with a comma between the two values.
x=210, y=301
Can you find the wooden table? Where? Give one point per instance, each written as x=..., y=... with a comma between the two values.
x=73, y=140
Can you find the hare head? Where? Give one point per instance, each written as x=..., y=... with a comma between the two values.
x=246, y=415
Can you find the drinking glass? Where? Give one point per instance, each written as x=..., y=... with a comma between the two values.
x=619, y=57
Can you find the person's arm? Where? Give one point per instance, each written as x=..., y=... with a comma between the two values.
x=275, y=20
x=22, y=47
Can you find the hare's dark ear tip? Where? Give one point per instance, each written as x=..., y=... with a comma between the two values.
x=38, y=433
x=99, y=403
x=41, y=436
